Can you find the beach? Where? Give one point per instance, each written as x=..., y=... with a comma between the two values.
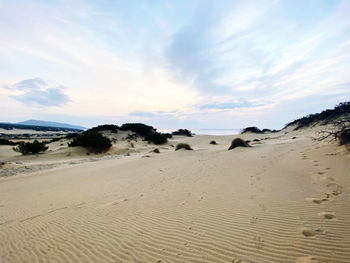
x=285, y=199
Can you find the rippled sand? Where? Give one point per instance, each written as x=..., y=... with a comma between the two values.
x=284, y=200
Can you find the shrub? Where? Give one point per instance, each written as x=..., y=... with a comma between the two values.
x=344, y=137
x=183, y=146
x=182, y=132
x=156, y=138
x=106, y=127
x=156, y=150
x=72, y=135
x=325, y=116
x=31, y=147
x=212, y=142
x=54, y=140
x=139, y=128
x=252, y=129
x=238, y=142
x=167, y=135
x=92, y=140
x=7, y=142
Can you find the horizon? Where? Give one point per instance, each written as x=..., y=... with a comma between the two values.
x=189, y=64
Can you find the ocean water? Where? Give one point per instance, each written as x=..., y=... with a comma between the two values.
x=207, y=131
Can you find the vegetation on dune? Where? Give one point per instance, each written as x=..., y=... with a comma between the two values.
x=156, y=138
x=106, y=127
x=72, y=135
x=183, y=132
x=167, y=135
x=238, y=142
x=341, y=131
x=30, y=147
x=252, y=129
x=325, y=117
x=7, y=142
x=92, y=140
x=156, y=150
x=257, y=130
x=344, y=137
x=185, y=146
x=139, y=128
x=213, y=142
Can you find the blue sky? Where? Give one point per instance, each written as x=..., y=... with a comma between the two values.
x=172, y=64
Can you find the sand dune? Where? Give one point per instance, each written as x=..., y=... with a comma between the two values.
x=283, y=200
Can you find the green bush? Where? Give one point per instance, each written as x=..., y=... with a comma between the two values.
x=167, y=135
x=106, y=127
x=344, y=137
x=72, y=135
x=92, y=140
x=183, y=132
x=252, y=129
x=183, y=146
x=139, y=128
x=7, y=142
x=238, y=142
x=31, y=147
x=156, y=138
x=156, y=150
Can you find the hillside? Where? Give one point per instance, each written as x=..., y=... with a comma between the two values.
x=51, y=124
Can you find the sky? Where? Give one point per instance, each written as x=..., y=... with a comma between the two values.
x=173, y=64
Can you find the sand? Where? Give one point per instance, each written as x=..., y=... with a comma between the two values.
x=282, y=200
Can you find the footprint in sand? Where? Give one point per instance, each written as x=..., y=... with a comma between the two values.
x=259, y=242
x=253, y=220
x=318, y=200
x=327, y=215
x=310, y=232
x=307, y=259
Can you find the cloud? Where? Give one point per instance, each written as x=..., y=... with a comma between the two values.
x=264, y=52
x=228, y=105
x=36, y=91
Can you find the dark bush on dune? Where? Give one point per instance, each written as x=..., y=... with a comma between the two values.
x=344, y=137
x=72, y=135
x=238, y=142
x=31, y=147
x=167, y=135
x=212, y=142
x=156, y=150
x=156, y=138
x=54, y=140
x=7, y=142
x=252, y=129
x=324, y=117
x=183, y=132
x=266, y=130
x=93, y=141
x=139, y=128
x=257, y=130
x=106, y=127
x=183, y=146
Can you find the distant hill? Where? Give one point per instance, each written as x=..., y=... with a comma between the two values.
x=50, y=124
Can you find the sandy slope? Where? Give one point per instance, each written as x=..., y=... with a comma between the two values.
x=285, y=200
